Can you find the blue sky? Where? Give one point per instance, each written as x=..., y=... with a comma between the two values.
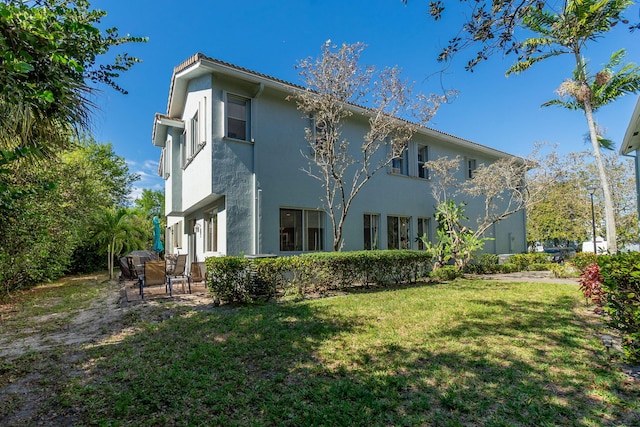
x=272, y=36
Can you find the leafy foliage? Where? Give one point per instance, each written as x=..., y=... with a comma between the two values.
x=116, y=232
x=621, y=285
x=455, y=241
x=233, y=278
x=46, y=213
x=51, y=51
x=445, y=273
x=583, y=260
x=525, y=261
x=591, y=286
x=229, y=278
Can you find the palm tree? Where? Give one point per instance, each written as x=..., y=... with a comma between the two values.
x=116, y=231
x=568, y=31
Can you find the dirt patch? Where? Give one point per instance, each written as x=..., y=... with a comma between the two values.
x=41, y=353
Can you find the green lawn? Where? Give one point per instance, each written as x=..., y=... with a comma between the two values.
x=466, y=353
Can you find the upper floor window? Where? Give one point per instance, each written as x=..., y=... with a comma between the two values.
x=238, y=117
x=399, y=164
x=194, y=137
x=423, y=157
x=472, y=164
x=301, y=230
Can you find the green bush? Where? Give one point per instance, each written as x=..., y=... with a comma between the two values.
x=523, y=261
x=508, y=268
x=540, y=266
x=564, y=271
x=583, y=260
x=229, y=278
x=484, y=264
x=621, y=285
x=235, y=279
x=446, y=273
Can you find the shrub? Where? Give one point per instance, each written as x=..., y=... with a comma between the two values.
x=446, y=273
x=523, y=261
x=564, y=270
x=583, y=260
x=484, y=264
x=591, y=287
x=538, y=266
x=507, y=268
x=621, y=285
x=229, y=278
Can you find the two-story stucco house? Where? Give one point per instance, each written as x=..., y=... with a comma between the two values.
x=231, y=158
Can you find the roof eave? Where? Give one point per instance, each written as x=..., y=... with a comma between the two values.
x=161, y=125
x=631, y=141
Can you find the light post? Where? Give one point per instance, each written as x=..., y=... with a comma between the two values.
x=592, y=189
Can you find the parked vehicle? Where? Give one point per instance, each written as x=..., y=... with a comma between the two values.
x=601, y=245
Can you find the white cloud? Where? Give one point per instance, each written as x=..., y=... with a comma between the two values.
x=147, y=170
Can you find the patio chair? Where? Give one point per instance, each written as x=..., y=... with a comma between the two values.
x=153, y=274
x=198, y=273
x=179, y=273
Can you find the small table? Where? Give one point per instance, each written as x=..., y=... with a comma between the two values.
x=172, y=280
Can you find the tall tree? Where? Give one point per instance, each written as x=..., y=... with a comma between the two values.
x=52, y=52
x=504, y=187
x=568, y=32
x=337, y=86
x=150, y=203
x=45, y=219
x=557, y=29
x=564, y=213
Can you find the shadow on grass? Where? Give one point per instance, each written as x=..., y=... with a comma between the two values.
x=299, y=364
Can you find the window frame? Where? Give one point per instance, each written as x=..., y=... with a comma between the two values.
x=246, y=102
x=398, y=229
x=424, y=227
x=211, y=231
x=371, y=234
x=298, y=238
x=472, y=165
x=399, y=164
x=423, y=172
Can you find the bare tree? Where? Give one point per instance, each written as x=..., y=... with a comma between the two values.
x=504, y=187
x=337, y=88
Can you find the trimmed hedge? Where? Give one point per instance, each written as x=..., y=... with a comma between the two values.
x=238, y=279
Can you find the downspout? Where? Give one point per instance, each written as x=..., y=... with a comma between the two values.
x=255, y=243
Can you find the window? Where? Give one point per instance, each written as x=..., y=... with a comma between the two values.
x=194, y=138
x=471, y=167
x=423, y=157
x=371, y=231
x=177, y=234
x=398, y=232
x=173, y=237
x=166, y=157
x=399, y=164
x=301, y=230
x=183, y=149
x=211, y=232
x=238, y=117
x=423, y=229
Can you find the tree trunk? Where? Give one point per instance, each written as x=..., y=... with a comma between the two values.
x=110, y=261
x=604, y=181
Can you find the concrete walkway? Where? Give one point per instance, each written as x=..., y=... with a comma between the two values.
x=528, y=276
